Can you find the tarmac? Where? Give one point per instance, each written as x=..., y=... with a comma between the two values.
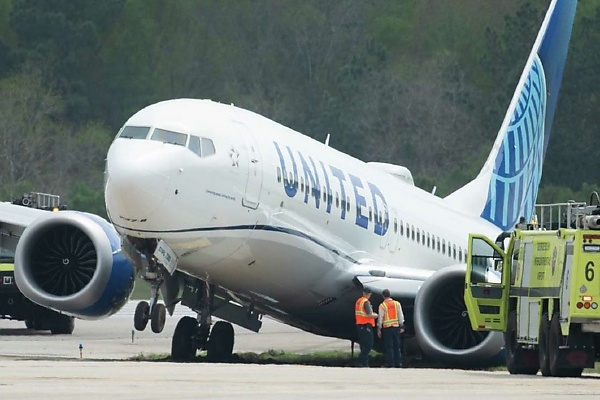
x=38, y=365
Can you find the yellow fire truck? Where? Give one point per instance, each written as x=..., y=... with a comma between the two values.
x=541, y=287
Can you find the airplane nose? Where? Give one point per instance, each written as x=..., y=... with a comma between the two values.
x=137, y=181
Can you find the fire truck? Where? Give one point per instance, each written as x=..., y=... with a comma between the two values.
x=13, y=304
x=541, y=286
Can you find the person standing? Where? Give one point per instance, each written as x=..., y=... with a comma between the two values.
x=391, y=324
x=365, y=322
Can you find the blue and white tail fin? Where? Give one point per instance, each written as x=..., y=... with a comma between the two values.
x=507, y=185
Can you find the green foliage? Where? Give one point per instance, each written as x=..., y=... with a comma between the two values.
x=423, y=84
x=84, y=198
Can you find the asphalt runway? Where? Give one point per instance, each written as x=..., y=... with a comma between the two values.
x=38, y=365
x=111, y=339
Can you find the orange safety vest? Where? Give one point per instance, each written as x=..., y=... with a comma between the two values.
x=391, y=311
x=360, y=313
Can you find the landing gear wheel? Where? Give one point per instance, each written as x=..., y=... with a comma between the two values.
x=158, y=318
x=543, y=354
x=220, y=343
x=62, y=324
x=183, y=347
x=555, y=340
x=141, y=316
x=515, y=356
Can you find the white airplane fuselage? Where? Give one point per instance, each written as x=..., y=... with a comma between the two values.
x=243, y=218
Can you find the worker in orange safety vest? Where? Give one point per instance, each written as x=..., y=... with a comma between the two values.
x=365, y=322
x=390, y=325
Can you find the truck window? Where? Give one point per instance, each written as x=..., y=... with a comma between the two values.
x=485, y=263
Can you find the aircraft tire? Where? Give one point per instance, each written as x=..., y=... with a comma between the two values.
x=158, y=318
x=141, y=316
x=543, y=347
x=183, y=347
x=515, y=356
x=220, y=343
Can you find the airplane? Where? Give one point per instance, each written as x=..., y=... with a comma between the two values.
x=237, y=216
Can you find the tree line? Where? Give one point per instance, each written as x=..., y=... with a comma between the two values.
x=419, y=83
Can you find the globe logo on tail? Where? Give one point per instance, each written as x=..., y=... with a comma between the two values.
x=518, y=166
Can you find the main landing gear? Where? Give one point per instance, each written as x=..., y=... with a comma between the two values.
x=193, y=334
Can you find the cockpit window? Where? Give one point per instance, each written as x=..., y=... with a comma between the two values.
x=202, y=146
x=208, y=148
x=161, y=135
x=134, y=132
x=194, y=145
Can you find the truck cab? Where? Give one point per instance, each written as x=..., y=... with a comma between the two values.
x=541, y=287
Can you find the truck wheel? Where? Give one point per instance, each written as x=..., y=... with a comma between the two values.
x=62, y=324
x=543, y=345
x=516, y=360
x=555, y=340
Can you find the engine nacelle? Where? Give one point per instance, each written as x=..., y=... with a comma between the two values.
x=442, y=324
x=72, y=262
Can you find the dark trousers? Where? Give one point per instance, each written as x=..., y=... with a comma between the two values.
x=365, y=340
x=391, y=341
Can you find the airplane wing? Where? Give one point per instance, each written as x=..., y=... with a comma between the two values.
x=401, y=281
x=13, y=221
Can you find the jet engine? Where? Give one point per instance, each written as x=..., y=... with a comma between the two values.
x=442, y=324
x=72, y=262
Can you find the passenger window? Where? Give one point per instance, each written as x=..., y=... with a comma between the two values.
x=208, y=148
x=418, y=235
x=162, y=135
x=438, y=244
x=401, y=228
x=428, y=240
x=337, y=200
x=134, y=132
x=460, y=254
x=454, y=251
x=348, y=204
x=443, y=246
x=412, y=228
x=278, y=174
x=302, y=184
x=395, y=225
x=370, y=214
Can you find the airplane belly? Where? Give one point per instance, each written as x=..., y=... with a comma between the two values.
x=282, y=271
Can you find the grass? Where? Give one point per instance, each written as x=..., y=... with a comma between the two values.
x=280, y=357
